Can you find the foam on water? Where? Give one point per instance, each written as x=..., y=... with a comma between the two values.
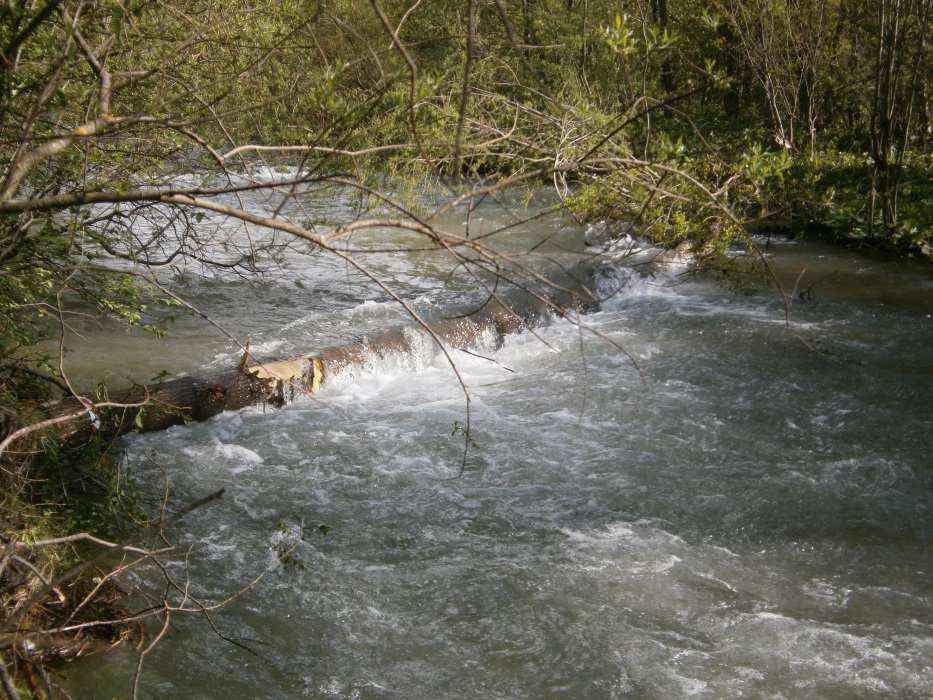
x=746, y=516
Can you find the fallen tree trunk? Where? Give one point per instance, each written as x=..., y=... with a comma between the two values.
x=186, y=399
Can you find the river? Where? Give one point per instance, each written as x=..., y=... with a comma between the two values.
x=747, y=515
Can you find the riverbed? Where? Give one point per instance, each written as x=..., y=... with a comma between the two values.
x=746, y=513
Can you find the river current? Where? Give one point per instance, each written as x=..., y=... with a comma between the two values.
x=749, y=514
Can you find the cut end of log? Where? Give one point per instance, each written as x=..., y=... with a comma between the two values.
x=308, y=372
x=283, y=370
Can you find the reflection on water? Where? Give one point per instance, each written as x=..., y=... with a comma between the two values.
x=750, y=516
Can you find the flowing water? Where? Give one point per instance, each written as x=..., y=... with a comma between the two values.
x=750, y=515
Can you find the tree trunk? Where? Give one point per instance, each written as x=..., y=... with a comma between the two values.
x=528, y=22
x=189, y=399
x=660, y=17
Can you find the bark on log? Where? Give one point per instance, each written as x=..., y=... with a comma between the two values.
x=276, y=383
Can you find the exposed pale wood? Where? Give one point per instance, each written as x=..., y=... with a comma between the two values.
x=186, y=399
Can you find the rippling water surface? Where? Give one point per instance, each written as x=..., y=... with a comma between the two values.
x=748, y=516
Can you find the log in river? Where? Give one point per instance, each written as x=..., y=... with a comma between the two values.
x=186, y=399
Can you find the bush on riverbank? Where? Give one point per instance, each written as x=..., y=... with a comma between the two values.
x=825, y=195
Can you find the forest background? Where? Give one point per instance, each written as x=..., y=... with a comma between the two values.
x=693, y=121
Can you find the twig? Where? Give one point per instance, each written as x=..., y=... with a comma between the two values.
x=150, y=647
x=8, y=687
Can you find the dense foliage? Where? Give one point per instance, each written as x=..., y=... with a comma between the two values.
x=698, y=121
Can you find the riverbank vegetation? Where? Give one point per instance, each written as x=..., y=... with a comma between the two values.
x=126, y=124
